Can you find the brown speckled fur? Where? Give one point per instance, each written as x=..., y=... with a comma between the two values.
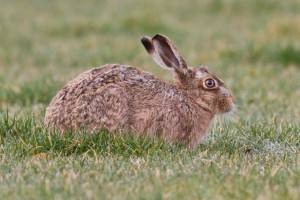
x=114, y=96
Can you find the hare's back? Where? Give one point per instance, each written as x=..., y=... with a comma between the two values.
x=97, y=96
x=86, y=85
x=120, y=74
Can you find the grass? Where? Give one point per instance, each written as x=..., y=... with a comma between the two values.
x=253, y=46
x=245, y=160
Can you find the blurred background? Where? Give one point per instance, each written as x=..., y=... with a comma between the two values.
x=253, y=46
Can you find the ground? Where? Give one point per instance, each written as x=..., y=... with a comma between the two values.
x=253, y=46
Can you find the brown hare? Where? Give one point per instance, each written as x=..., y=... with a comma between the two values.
x=119, y=96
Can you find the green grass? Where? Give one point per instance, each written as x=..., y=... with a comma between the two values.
x=253, y=46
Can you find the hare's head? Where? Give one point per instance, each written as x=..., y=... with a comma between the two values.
x=200, y=84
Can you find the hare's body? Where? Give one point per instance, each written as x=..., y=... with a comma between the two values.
x=114, y=96
x=119, y=96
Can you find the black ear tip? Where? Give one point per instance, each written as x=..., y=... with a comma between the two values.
x=160, y=38
x=146, y=41
x=157, y=36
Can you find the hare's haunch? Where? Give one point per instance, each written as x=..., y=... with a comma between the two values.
x=114, y=96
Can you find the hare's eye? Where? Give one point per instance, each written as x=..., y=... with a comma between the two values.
x=210, y=83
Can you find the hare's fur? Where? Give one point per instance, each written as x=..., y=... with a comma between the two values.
x=119, y=96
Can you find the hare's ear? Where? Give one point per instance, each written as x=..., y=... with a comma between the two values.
x=164, y=53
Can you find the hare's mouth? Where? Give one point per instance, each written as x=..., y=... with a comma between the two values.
x=228, y=105
x=232, y=106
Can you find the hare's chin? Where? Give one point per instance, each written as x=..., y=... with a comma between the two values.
x=231, y=108
x=228, y=109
